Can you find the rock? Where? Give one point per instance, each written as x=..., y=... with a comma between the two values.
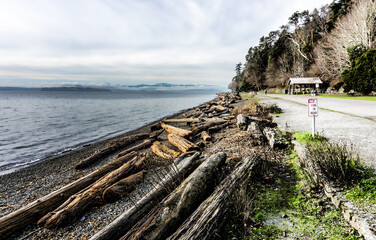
x=275, y=138
x=254, y=130
x=242, y=121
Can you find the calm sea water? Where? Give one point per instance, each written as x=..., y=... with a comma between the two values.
x=35, y=124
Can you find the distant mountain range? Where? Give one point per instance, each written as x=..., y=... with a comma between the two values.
x=158, y=87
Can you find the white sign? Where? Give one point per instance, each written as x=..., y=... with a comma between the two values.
x=313, y=107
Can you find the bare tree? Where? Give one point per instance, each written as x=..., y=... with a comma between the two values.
x=356, y=27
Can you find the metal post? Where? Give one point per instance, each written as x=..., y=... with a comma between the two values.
x=313, y=126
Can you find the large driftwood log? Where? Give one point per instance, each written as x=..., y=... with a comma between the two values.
x=163, y=151
x=123, y=187
x=209, y=216
x=35, y=210
x=206, y=126
x=175, y=130
x=188, y=120
x=183, y=144
x=91, y=197
x=167, y=216
x=182, y=166
x=115, y=146
x=143, y=145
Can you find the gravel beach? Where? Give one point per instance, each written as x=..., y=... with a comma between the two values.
x=22, y=187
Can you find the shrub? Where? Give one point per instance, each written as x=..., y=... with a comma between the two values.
x=361, y=77
x=337, y=162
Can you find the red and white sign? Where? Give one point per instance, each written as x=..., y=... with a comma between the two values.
x=313, y=107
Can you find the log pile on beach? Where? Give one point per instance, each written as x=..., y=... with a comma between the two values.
x=170, y=180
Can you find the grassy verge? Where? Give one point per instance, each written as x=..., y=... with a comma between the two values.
x=282, y=205
x=340, y=165
x=344, y=96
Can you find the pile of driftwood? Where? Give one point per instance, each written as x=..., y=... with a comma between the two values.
x=119, y=177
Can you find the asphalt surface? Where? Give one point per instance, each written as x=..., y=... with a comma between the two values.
x=347, y=121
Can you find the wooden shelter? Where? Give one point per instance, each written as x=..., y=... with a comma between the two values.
x=311, y=83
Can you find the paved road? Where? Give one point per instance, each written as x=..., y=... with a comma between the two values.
x=357, y=131
x=360, y=108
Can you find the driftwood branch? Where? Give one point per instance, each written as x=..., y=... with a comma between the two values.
x=109, y=150
x=143, y=145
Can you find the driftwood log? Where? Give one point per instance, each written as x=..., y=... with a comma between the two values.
x=175, y=130
x=183, y=166
x=183, y=144
x=123, y=187
x=82, y=202
x=168, y=215
x=187, y=120
x=218, y=127
x=163, y=151
x=109, y=150
x=143, y=145
x=37, y=209
x=206, y=126
x=205, y=136
x=209, y=216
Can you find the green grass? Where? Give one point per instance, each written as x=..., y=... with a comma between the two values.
x=306, y=138
x=364, y=193
x=344, y=96
x=308, y=215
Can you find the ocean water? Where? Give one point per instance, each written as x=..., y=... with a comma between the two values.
x=35, y=125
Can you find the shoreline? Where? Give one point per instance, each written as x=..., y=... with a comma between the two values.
x=23, y=186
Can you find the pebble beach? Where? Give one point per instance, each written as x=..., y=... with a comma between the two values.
x=22, y=187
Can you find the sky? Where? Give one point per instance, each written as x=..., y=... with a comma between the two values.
x=128, y=42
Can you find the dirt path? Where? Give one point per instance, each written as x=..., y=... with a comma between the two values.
x=336, y=126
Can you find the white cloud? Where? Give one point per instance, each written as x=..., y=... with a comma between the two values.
x=133, y=41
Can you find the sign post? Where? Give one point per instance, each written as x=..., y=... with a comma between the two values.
x=313, y=111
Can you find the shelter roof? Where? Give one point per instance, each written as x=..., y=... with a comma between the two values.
x=311, y=80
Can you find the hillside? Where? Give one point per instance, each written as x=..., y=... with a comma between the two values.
x=332, y=42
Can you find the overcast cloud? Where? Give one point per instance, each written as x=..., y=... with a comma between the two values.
x=50, y=42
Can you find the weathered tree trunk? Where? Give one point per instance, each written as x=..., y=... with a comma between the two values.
x=109, y=150
x=175, y=130
x=208, y=217
x=35, y=210
x=188, y=120
x=163, y=151
x=219, y=127
x=143, y=145
x=183, y=144
x=205, y=136
x=206, y=126
x=122, y=188
x=91, y=197
x=167, y=216
x=183, y=167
